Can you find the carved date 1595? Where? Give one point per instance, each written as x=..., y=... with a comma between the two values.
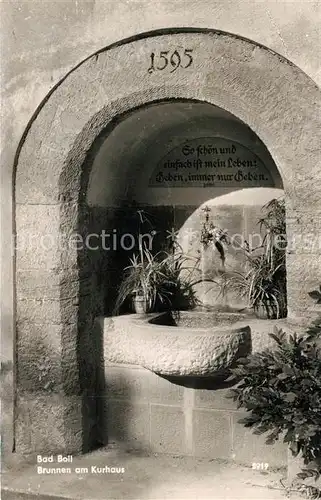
x=174, y=60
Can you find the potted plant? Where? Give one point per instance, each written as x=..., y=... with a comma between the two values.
x=141, y=303
x=281, y=389
x=157, y=282
x=164, y=281
x=258, y=285
x=141, y=282
x=263, y=281
x=178, y=287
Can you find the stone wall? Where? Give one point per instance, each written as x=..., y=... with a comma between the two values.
x=147, y=412
x=268, y=94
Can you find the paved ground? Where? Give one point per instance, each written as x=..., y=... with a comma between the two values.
x=155, y=477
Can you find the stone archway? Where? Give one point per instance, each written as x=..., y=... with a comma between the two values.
x=58, y=358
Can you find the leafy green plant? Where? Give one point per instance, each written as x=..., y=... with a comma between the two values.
x=262, y=283
x=180, y=281
x=259, y=285
x=166, y=279
x=274, y=217
x=281, y=389
x=140, y=279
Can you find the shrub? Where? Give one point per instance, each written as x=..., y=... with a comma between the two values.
x=281, y=389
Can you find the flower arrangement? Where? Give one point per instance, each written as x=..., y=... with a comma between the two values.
x=213, y=235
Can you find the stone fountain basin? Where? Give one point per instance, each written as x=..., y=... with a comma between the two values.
x=194, y=345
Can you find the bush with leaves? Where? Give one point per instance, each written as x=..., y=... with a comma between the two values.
x=281, y=388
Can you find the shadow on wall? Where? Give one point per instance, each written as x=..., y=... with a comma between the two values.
x=127, y=415
x=220, y=381
x=152, y=223
x=92, y=380
x=6, y=396
x=6, y=386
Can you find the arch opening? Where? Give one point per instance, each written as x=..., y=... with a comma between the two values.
x=61, y=289
x=157, y=166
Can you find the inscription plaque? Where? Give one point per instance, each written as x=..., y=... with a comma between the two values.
x=211, y=162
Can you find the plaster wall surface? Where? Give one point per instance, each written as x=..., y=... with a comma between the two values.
x=42, y=41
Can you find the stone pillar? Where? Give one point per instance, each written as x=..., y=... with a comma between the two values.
x=303, y=263
x=56, y=366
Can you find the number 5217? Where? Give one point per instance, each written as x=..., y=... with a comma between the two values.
x=173, y=60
